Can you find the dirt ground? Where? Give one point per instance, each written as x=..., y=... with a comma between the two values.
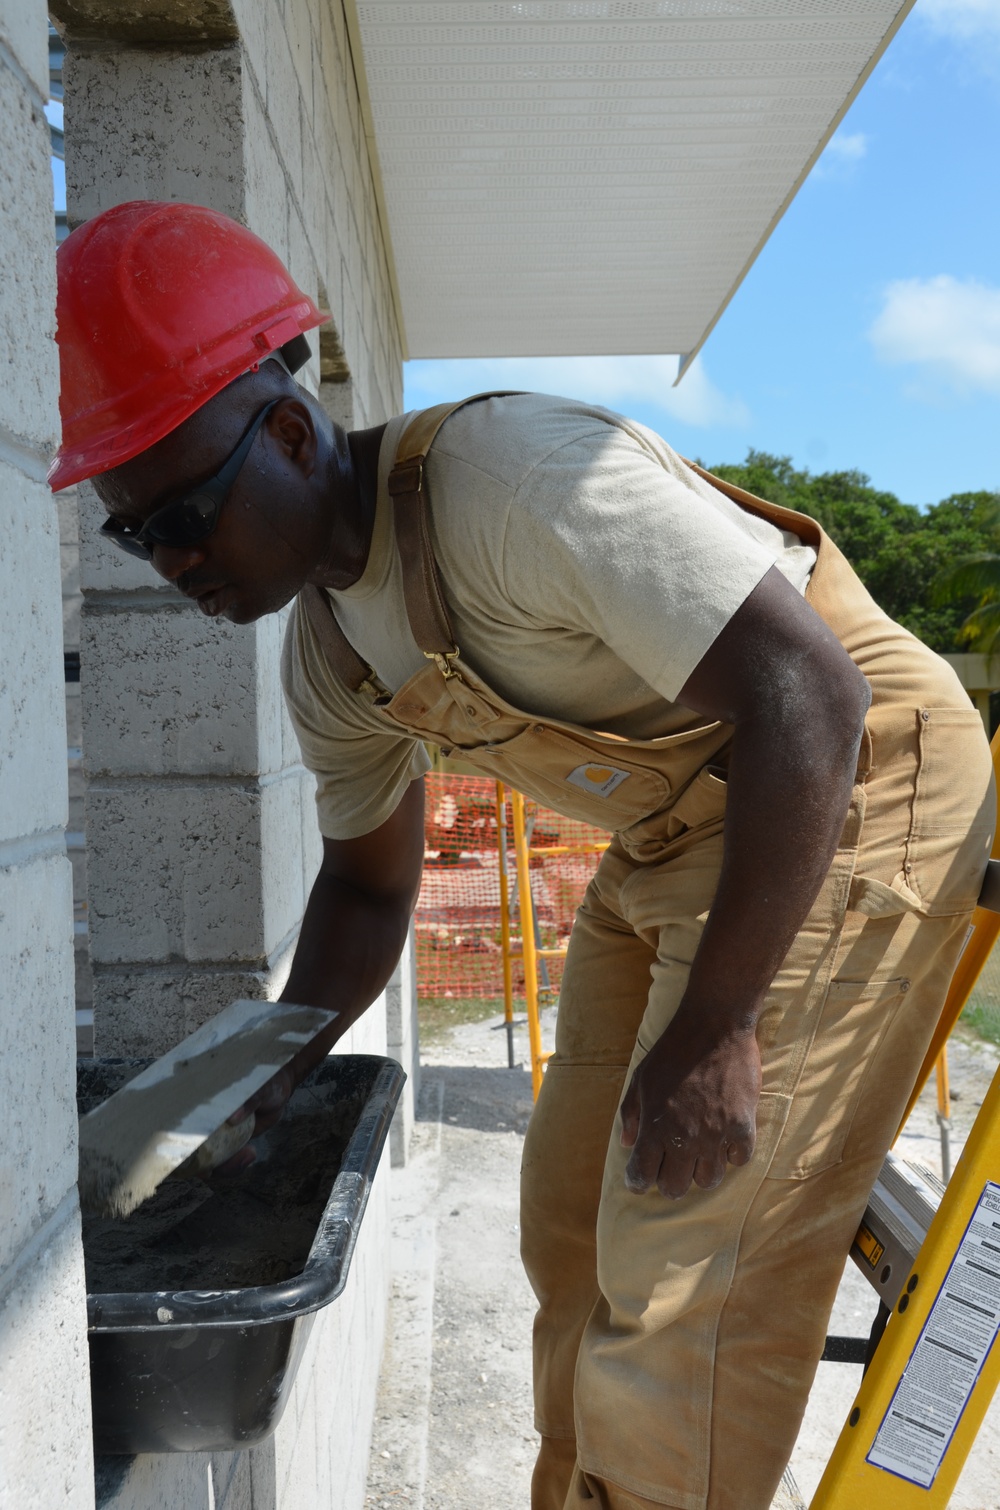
x=453, y=1429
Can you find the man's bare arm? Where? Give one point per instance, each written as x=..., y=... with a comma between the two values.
x=358, y=912
x=798, y=704
x=352, y=935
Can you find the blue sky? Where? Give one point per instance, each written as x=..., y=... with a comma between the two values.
x=867, y=335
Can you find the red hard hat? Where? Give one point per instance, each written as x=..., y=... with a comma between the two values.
x=159, y=307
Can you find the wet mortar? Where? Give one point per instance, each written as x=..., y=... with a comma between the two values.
x=255, y=1228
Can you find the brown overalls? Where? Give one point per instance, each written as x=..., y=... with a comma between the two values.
x=676, y=1341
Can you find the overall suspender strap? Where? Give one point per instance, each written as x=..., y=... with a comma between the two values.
x=426, y=609
x=338, y=650
x=424, y=600
x=425, y=605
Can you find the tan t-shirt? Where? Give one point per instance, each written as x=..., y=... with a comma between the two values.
x=587, y=570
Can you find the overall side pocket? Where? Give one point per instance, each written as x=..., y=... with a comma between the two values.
x=856, y=1016
x=953, y=816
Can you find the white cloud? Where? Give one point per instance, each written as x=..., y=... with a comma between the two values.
x=962, y=20
x=847, y=148
x=841, y=155
x=949, y=329
x=615, y=382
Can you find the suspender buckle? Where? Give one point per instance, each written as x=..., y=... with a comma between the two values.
x=406, y=478
x=374, y=688
x=443, y=659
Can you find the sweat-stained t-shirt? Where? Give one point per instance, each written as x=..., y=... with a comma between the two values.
x=586, y=569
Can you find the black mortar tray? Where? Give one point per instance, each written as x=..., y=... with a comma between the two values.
x=211, y=1370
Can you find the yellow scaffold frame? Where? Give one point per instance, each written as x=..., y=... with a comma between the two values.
x=526, y=948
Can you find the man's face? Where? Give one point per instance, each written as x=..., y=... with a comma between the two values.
x=260, y=552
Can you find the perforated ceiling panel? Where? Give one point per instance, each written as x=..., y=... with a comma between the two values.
x=587, y=176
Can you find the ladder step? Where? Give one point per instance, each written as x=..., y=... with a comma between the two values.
x=845, y=1350
x=900, y=1210
x=989, y=896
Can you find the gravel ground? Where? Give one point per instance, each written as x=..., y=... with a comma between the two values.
x=453, y=1428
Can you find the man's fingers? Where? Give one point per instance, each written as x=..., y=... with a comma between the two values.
x=676, y=1173
x=643, y=1167
x=741, y=1152
x=630, y=1115
x=710, y=1171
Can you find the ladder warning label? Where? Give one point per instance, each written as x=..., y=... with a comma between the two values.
x=869, y=1245
x=950, y=1352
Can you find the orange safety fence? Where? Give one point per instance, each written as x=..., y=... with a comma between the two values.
x=458, y=921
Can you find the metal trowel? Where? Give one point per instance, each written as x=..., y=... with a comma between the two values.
x=174, y=1112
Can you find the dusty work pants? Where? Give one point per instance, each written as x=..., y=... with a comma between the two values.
x=676, y=1341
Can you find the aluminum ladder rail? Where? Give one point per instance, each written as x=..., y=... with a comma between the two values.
x=932, y=1255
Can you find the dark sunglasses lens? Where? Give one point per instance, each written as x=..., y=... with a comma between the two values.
x=184, y=522
x=125, y=542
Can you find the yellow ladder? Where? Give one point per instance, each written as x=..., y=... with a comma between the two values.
x=933, y=1373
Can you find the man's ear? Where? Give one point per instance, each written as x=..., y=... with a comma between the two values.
x=291, y=424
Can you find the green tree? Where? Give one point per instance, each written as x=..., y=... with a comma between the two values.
x=899, y=551
x=976, y=576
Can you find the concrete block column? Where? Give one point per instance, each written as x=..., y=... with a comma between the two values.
x=200, y=821
x=201, y=841
x=403, y=1038
x=45, y=1456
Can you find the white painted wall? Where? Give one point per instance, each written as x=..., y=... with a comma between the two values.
x=45, y=1455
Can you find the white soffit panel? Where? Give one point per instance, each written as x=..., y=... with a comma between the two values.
x=570, y=177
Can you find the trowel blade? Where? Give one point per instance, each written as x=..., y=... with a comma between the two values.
x=134, y=1140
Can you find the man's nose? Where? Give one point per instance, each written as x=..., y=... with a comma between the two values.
x=172, y=561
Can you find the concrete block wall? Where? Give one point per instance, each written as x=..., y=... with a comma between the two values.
x=182, y=730
x=201, y=832
x=309, y=167
x=45, y=1455
x=76, y=838
x=192, y=766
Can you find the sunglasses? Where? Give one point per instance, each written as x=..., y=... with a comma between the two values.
x=193, y=516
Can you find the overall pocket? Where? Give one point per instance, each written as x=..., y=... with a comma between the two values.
x=702, y=803
x=602, y=787
x=854, y=1019
x=953, y=815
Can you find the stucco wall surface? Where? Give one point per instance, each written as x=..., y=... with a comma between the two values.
x=45, y=1453
x=46, y=1459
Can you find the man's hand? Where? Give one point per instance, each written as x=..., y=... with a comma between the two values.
x=797, y=704
x=691, y=1109
x=267, y=1106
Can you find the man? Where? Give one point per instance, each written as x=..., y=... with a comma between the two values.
x=800, y=796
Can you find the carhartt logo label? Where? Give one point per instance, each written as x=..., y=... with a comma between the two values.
x=598, y=780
